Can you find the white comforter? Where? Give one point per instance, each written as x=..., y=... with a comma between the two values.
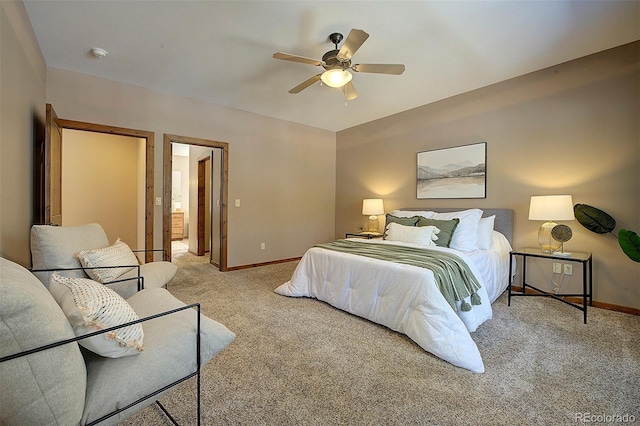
x=405, y=298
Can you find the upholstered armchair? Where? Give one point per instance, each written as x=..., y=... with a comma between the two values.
x=75, y=352
x=57, y=248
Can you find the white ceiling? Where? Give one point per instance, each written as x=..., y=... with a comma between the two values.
x=221, y=51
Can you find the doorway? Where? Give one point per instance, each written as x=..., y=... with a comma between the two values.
x=211, y=202
x=47, y=171
x=103, y=182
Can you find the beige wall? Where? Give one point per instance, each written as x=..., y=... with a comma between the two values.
x=22, y=101
x=570, y=129
x=100, y=183
x=283, y=173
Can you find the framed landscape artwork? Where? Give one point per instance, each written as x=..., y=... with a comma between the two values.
x=458, y=172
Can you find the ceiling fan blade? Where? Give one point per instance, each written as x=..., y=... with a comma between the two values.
x=350, y=92
x=395, y=69
x=300, y=87
x=296, y=58
x=351, y=44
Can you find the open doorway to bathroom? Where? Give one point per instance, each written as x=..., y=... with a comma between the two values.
x=180, y=208
x=195, y=194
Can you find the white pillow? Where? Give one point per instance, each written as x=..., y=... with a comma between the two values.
x=465, y=236
x=485, y=231
x=119, y=254
x=90, y=306
x=422, y=235
x=409, y=213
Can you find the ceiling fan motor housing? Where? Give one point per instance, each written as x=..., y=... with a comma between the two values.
x=337, y=63
x=330, y=60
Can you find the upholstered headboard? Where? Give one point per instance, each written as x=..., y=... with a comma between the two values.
x=503, y=222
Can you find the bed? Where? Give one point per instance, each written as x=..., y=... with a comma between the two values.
x=408, y=297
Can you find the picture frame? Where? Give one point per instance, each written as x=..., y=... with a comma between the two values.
x=457, y=172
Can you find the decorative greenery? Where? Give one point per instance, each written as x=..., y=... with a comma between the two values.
x=597, y=221
x=630, y=243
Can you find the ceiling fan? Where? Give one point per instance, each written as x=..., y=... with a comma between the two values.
x=337, y=64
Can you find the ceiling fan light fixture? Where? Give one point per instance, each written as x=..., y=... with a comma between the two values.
x=336, y=77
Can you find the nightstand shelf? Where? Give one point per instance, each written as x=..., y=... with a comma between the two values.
x=578, y=257
x=367, y=235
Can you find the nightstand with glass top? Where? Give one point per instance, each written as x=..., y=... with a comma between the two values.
x=367, y=235
x=578, y=257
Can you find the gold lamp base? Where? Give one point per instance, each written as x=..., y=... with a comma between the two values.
x=372, y=224
x=546, y=241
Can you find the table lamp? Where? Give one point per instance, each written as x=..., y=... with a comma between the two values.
x=372, y=207
x=550, y=208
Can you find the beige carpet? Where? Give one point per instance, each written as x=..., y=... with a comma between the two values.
x=303, y=362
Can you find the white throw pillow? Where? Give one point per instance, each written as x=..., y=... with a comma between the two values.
x=118, y=254
x=485, y=231
x=91, y=306
x=423, y=235
x=409, y=213
x=465, y=236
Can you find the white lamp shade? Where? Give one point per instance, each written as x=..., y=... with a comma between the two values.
x=336, y=77
x=372, y=206
x=551, y=207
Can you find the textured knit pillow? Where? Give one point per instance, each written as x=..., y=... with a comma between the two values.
x=446, y=227
x=119, y=254
x=91, y=306
x=424, y=236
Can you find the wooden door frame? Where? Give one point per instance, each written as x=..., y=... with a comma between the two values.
x=166, y=193
x=149, y=154
x=202, y=165
x=52, y=214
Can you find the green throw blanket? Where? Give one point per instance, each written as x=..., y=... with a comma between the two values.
x=453, y=276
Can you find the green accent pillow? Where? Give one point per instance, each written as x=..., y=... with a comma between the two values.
x=446, y=228
x=406, y=221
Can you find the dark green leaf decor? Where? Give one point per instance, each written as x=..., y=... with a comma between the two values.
x=597, y=221
x=630, y=244
x=594, y=219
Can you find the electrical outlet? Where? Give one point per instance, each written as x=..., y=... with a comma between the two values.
x=263, y=246
x=568, y=269
x=557, y=268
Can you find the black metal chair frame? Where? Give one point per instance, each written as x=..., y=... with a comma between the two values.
x=140, y=280
x=164, y=252
x=151, y=395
